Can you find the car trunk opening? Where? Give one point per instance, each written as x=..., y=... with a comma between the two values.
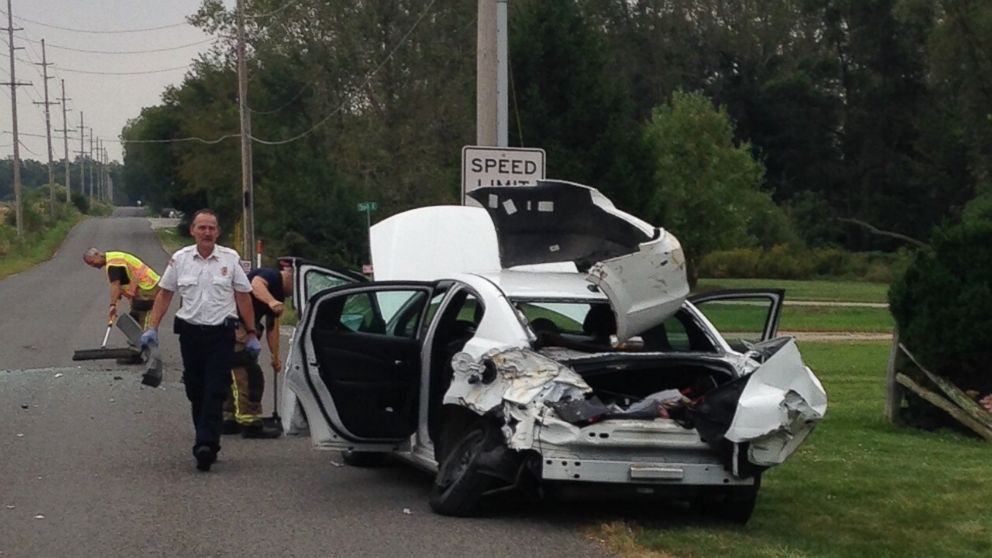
x=645, y=387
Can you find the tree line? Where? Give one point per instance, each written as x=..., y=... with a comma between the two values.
x=729, y=122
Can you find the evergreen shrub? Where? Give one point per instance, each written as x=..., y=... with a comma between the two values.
x=943, y=305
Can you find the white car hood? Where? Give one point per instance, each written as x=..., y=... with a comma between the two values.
x=554, y=226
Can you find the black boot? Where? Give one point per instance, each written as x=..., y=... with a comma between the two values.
x=205, y=457
x=259, y=431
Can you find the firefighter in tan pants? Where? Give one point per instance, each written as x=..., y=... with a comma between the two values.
x=243, y=408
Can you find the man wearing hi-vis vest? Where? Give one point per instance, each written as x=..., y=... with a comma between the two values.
x=129, y=277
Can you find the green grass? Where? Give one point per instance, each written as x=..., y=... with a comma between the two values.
x=837, y=291
x=36, y=247
x=742, y=318
x=857, y=487
x=171, y=240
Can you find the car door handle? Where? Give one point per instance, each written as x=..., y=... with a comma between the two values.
x=399, y=362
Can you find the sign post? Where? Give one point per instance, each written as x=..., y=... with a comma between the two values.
x=368, y=207
x=499, y=166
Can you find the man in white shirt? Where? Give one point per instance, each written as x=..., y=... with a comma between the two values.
x=213, y=289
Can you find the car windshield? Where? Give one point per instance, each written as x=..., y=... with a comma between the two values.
x=594, y=322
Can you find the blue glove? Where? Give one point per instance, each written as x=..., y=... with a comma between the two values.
x=252, y=346
x=149, y=338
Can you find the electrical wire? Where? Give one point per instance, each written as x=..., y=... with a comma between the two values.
x=368, y=78
x=320, y=123
x=123, y=52
x=137, y=73
x=284, y=105
x=100, y=31
x=99, y=73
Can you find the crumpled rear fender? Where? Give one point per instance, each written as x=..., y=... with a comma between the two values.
x=772, y=410
x=518, y=380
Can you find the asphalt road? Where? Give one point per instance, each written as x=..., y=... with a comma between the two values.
x=94, y=464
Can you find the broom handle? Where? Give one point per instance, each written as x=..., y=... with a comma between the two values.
x=106, y=335
x=275, y=375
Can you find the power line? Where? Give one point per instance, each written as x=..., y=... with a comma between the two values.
x=320, y=123
x=29, y=150
x=124, y=52
x=138, y=73
x=98, y=31
x=284, y=105
x=94, y=72
x=368, y=78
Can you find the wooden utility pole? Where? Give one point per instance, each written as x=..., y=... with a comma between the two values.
x=248, y=203
x=92, y=192
x=13, y=83
x=48, y=130
x=82, y=158
x=491, y=71
x=65, y=142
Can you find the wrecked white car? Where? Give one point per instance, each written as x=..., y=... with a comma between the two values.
x=545, y=338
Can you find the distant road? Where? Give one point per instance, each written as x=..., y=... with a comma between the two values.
x=61, y=305
x=92, y=464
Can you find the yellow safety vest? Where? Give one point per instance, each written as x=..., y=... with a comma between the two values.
x=139, y=275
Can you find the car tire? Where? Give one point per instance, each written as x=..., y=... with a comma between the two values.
x=730, y=504
x=364, y=458
x=459, y=484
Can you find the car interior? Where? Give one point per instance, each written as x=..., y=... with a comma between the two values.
x=371, y=369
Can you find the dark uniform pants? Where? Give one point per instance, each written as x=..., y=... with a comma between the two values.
x=206, y=352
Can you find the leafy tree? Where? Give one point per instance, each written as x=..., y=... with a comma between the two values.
x=706, y=190
x=568, y=104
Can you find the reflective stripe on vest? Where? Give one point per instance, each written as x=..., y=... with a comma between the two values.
x=139, y=274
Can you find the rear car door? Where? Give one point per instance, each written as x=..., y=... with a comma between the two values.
x=310, y=278
x=742, y=316
x=360, y=352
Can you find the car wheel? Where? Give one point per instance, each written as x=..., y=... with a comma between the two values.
x=364, y=458
x=730, y=504
x=459, y=484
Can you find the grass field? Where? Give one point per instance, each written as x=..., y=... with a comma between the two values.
x=36, y=248
x=836, y=291
x=857, y=487
x=730, y=318
x=170, y=239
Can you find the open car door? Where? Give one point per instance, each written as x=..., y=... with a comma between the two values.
x=356, y=369
x=745, y=317
x=310, y=278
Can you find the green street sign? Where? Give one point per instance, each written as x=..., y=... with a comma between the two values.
x=368, y=206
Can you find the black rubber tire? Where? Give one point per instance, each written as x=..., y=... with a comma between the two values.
x=730, y=504
x=364, y=458
x=459, y=485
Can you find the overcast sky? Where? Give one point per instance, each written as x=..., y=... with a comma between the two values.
x=107, y=101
